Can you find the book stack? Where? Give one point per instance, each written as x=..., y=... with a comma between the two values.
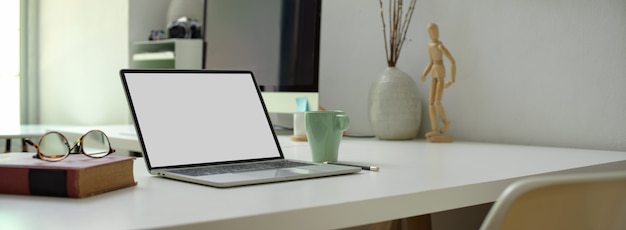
x=77, y=176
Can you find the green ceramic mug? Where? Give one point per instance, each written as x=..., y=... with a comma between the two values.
x=324, y=130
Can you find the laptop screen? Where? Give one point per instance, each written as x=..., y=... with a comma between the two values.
x=196, y=117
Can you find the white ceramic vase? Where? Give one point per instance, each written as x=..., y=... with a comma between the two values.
x=395, y=109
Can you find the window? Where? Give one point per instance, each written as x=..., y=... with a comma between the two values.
x=10, y=63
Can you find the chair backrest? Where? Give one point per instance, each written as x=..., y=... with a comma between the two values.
x=580, y=201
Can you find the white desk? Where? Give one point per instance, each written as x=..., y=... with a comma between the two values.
x=22, y=132
x=120, y=136
x=415, y=178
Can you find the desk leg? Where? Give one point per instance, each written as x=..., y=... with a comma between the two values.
x=412, y=223
x=387, y=225
x=24, y=146
x=418, y=222
x=7, y=147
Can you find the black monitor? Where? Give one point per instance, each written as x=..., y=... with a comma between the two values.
x=278, y=40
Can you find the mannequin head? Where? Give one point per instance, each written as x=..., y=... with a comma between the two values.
x=433, y=31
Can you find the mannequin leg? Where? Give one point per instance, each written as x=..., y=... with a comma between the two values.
x=439, y=106
x=444, y=119
x=431, y=108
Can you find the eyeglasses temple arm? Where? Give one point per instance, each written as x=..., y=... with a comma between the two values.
x=29, y=142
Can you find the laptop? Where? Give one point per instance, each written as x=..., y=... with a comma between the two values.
x=210, y=127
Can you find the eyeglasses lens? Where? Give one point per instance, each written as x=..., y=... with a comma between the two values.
x=96, y=144
x=53, y=146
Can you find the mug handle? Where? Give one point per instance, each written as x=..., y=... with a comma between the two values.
x=342, y=122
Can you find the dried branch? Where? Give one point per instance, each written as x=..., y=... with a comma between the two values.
x=384, y=30
x=399, y=25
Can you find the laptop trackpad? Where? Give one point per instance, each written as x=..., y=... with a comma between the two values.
x=285, y=172
x=255, y=175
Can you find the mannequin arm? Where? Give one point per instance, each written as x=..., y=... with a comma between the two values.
x=452, y=65
x=427, y=70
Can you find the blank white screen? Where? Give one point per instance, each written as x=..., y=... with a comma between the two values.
x=191, y=118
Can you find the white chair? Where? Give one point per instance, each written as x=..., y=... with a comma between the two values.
x=580, y=201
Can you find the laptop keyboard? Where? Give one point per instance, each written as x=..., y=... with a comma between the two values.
x=202, y=171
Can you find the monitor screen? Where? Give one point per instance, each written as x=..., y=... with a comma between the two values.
x=278, y=40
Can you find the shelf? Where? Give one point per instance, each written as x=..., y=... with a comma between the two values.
x=154, y=64
x=164, y=41
x=151, y=56
x=169, y=53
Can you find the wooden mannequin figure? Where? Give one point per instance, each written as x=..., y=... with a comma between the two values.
x=436, y=51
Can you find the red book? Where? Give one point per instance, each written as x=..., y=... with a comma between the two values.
x=77, y=176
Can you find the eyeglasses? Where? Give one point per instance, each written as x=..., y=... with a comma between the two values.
x=53, y=146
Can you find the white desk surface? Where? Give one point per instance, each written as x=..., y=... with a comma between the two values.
x=416, y=178
x=120, y=136
x=22, y=131
x=123, y=136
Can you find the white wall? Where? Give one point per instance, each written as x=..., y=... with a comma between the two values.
x=529, y=72
x=547, y=73
x=145, y=18
x=83, y=44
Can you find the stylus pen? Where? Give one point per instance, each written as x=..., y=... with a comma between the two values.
x=370, y=168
